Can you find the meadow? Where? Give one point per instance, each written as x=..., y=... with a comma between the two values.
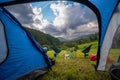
x=78, y=67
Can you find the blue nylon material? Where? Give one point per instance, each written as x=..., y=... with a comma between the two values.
x=23, y=56
x=1, y=1
x=106, y=8
x=118, y=60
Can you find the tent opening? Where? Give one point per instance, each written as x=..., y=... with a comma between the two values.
x=61, y=26
x=67, y=30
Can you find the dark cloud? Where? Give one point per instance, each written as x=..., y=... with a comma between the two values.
x=24, y=13
x=50, y=29
x=72, y=15
x=82, y=16
x=71, y=20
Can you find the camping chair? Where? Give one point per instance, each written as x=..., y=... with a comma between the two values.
x=86, y=51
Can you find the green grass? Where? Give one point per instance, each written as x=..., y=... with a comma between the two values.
x=74, y=69
x=78, y=68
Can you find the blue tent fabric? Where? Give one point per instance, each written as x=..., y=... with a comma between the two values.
x=23, y=56
x=2, y=1
x=38, y=46
x=106, y=8
x=118, y=60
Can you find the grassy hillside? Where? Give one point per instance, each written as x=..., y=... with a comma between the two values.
x=77, y=67
x=74, y=69
x=44, y=39
x=79, y=41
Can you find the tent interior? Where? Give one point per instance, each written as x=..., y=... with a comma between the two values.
x=68, y=26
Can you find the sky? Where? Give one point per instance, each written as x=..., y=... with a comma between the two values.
x=64, y=19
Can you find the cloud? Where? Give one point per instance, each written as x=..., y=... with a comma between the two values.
x=71, y=20
x=27, y=15
x=86, y=29
x=71, y=15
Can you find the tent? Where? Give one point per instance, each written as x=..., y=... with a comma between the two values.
x=20, y=54
x=108, y=15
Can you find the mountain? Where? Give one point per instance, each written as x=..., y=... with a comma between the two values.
x=47, y=40
x=44, y=39
x=61, y=39
x=86, y=37
x=81, y=40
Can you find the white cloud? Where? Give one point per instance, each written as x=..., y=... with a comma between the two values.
x=71, y=20
x=27, y=15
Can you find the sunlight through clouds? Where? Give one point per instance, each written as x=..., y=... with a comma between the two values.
x=69, y=20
